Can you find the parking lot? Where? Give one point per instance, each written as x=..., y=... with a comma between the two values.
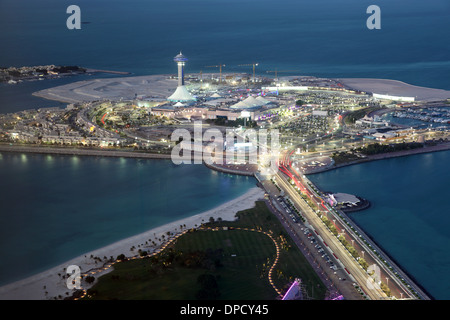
x=321, y=257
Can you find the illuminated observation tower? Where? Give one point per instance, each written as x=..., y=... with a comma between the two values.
x=180, y=59
x=181, y=94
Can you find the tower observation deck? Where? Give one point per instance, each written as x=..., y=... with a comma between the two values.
x=180, y=59
x=181, y=94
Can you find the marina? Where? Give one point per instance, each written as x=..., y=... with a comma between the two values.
x=438, y=115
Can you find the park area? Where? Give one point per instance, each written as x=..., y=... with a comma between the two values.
x=251, y=258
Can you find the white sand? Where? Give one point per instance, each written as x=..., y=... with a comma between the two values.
x=156, y=86
x=396, y=88
x=32, y=288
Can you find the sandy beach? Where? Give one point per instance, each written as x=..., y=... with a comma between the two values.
x=160, y=86
x=396, y=88
x=48, y=284
x=157, y=86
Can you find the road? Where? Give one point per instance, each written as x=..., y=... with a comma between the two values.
x=387, y=271
x=335, y=281
x=353, y=269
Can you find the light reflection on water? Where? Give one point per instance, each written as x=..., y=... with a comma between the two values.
x=409, y=216
x=57, y=207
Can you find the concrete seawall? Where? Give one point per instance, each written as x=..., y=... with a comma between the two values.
x=228, y=170
x=82, y=152
x=426, y=149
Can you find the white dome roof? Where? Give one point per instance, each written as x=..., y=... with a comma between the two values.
x=181, y=94
x=250, y=102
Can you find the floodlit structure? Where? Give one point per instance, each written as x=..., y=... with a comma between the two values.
x=394, y=98
x=181, y=94
x=250, y=103
x=181, y=60
x=344, y=198
x=294, y=292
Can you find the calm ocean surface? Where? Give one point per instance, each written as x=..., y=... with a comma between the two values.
x=409, y=216
x=310, y=37
x=55, y=208
x=315, y=37
x=319, y=38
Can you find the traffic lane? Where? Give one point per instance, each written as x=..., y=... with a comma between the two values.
x=305, y=251
x=350, y=265
x=322, y=269
x=313, y=219
x=396, y=289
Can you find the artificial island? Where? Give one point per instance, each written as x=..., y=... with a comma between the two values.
x=322, y=123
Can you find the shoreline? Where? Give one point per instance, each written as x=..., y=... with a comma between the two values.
x=394, y=261
x=71, y=151
x=89, y=70
x=418, y=286
x=32, y=287
x=157, y=85
x=396, y=88
x=382, y=156
x=36, y=286
x=135, y=154
x=113, y=88
x=85, y=71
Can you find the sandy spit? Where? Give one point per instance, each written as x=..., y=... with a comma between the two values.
x=50, y=284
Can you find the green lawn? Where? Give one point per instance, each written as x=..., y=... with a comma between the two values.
x=237, y=261
x=292, y=263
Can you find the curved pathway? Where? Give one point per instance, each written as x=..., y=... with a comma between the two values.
x=107, y=267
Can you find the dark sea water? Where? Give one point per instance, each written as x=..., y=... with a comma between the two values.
x=55, y=208
x=317, y=37
x=324, y=38
x=409, y=216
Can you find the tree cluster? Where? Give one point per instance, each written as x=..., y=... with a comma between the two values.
x=377, y=148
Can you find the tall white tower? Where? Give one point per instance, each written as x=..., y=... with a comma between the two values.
x=181, y=94
x=180, y=59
